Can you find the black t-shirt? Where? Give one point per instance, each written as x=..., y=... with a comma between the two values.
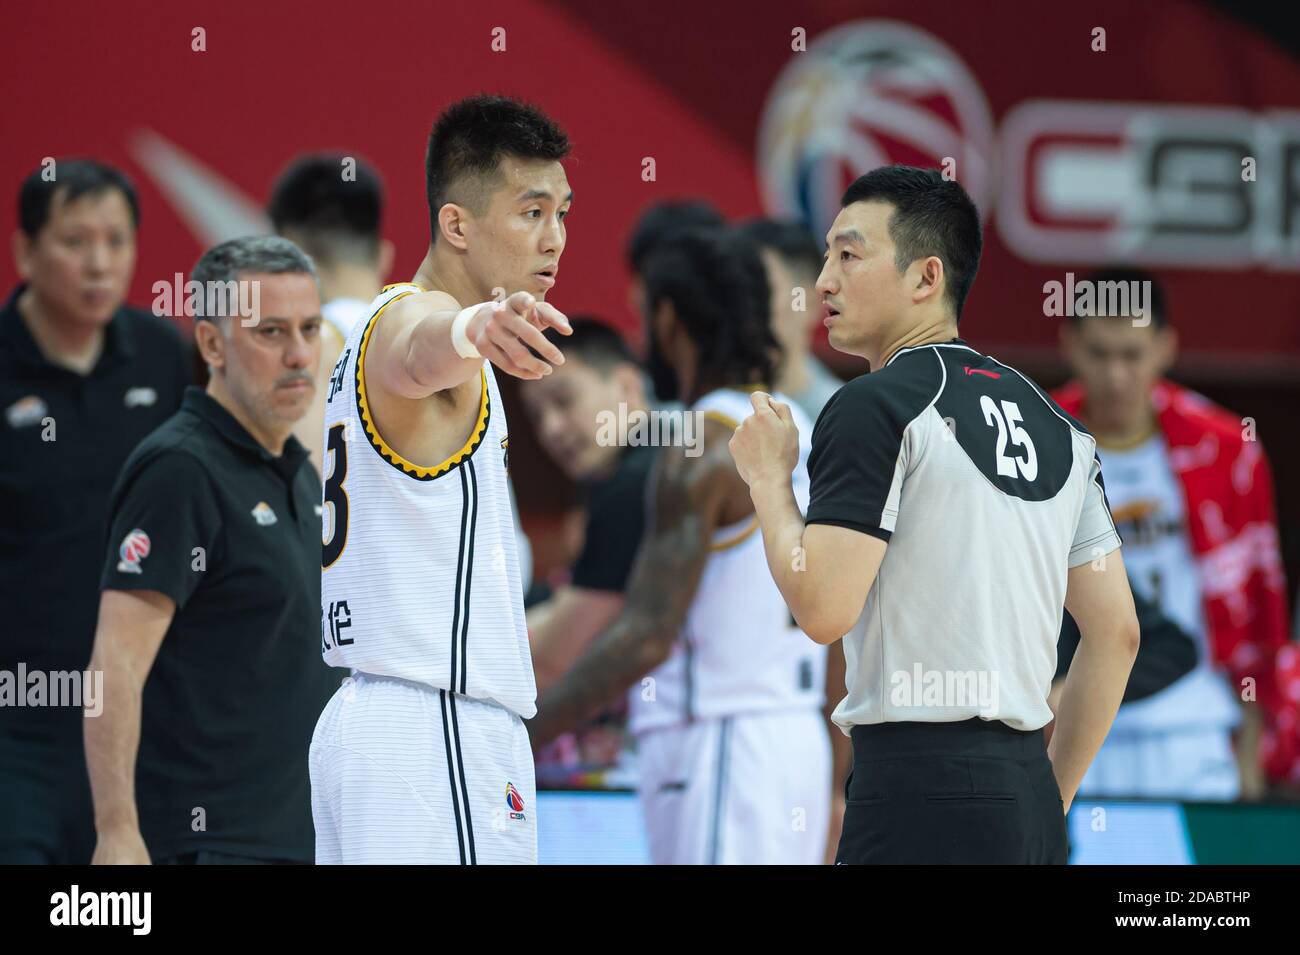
x=616, y=509
x=231, y=533
x=63, y=439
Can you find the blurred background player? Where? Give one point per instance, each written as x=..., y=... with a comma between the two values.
x=732, y=751
x=421, y=755
x=83, y=378
x=661, y=221
x=793, y=260
x=1193, y=500
x=331, y=206
x=209, y=623
x=598, y=376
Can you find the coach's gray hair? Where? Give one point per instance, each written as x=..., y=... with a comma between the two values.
x=219, y=269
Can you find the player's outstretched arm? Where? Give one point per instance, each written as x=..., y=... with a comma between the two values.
x=1098, y=597
x=688, y=498
x=426, y=343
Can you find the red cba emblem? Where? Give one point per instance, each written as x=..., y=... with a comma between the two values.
x=513, y=799
x=135, y=548
x=867, y=94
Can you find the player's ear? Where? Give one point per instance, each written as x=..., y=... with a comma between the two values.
x=387, y=253
x=629, y=382
x=22, y=254
x=1167, y=343
x=453, y=221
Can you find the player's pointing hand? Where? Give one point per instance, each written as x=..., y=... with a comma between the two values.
x=766, y=444
x=504, y=333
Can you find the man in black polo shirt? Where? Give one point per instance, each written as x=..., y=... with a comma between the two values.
x=211, y=603
x=83, y=378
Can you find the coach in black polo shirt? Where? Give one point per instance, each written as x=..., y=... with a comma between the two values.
x=954, y=510
x=209, y=624
x=82, y=379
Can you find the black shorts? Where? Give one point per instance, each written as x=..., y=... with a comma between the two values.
x=975, y=791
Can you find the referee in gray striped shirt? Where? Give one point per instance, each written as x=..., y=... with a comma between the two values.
x=955, y=509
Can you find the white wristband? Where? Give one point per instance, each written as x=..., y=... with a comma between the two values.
x=459, y=340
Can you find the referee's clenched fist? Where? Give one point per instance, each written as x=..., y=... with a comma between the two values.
x=766, y=444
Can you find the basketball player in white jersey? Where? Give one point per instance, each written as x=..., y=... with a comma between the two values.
x=422, y=755
x=733, y=751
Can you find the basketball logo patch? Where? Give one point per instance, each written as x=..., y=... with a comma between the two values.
x=514, y=802
x=135, y=548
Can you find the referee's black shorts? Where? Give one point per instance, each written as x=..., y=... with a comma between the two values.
x=975, y=791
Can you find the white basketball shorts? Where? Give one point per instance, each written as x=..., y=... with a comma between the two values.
x=753, y=789
x=402, y=772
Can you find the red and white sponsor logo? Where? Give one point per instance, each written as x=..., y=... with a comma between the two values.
x=1155, y=183
x=135, y=548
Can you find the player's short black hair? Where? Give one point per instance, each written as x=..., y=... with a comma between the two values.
x=715, y=280
x=72, y=178
x=662, y=221
x=932, y=216
x=472, y=136
x=1126, y=275
x=332, y=216
x=597, y=343
x=792, y=241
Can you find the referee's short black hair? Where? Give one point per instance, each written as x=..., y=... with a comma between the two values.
x=333, y=216
x=597, y=343
x=1116, y=274
x=73, y=178
x=719, y=291
x=791, y=241
x=932, y=216
x=469, y=140
x=662, y=221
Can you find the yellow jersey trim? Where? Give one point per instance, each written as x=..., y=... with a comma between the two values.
x=721, y=418
x=739, y=538
x=372, y=431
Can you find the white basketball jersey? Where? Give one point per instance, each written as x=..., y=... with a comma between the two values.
x=739, y=650
x=420, y=575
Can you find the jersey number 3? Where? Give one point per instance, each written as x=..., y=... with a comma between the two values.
x=336, y=499
x=1007, y=420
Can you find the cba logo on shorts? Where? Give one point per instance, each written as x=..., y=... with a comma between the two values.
x=514, y=801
